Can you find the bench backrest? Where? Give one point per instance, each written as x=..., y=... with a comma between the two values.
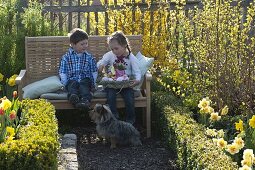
x=43, y=53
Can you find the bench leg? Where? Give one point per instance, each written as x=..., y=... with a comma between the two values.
x=148, y=121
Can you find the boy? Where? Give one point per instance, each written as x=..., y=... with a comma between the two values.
x=78, y=70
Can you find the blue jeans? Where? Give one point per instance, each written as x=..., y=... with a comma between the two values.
x=128, y=96
x=82, y=88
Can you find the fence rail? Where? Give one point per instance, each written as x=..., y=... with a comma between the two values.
x=67, y=14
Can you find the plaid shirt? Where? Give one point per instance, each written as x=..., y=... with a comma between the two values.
x=78, y=67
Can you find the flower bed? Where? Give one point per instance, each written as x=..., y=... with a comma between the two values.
x=36, y=144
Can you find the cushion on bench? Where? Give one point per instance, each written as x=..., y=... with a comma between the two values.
x=145, y=64
x=62, y=95
x=36, y=89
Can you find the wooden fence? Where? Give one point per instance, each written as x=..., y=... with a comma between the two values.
x=68, y=14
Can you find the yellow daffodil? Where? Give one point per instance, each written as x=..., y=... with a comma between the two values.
x=246, y=162
x=239, y=125
x=252, y=122
x=248, y=154
x=245, y=167
x=224, y=111
x=232, y=149
x=207, y=109
x=215, y=116
x=6, y=104
x=11, y=82
x=222, y=143
x=239, y=142
x=205, y=102
x=1, y=77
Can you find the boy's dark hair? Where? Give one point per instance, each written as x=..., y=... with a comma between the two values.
x=77, y=35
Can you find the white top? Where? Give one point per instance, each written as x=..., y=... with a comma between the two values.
x=132, y=67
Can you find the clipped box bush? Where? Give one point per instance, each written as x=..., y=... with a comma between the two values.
x=37, y=144
x=186, y=137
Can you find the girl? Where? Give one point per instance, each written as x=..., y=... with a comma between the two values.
x=121, y=57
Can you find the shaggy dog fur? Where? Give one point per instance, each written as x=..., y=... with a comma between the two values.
x=107, y=126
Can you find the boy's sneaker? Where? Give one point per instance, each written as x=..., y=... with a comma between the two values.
x=83, y=104
x=74, y=99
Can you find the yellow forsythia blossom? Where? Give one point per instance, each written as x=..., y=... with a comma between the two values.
x=252, y=121
x=239, y=125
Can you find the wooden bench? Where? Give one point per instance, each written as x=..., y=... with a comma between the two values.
x=43, y=55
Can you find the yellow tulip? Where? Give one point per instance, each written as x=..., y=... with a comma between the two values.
x=6, y=104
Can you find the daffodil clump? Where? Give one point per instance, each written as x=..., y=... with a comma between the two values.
x=8, y=117
x=243, y=142
x=207, y=111
x=246, y=131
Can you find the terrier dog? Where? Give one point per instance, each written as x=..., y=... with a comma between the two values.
x=108, y=127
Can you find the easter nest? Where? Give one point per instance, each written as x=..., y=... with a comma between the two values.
x=116, y=84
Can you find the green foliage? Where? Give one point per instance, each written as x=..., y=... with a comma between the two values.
x=15, y=25
x=37, y=143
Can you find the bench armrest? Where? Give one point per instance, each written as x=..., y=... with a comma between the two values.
x=148, y=78
x=21, y=81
